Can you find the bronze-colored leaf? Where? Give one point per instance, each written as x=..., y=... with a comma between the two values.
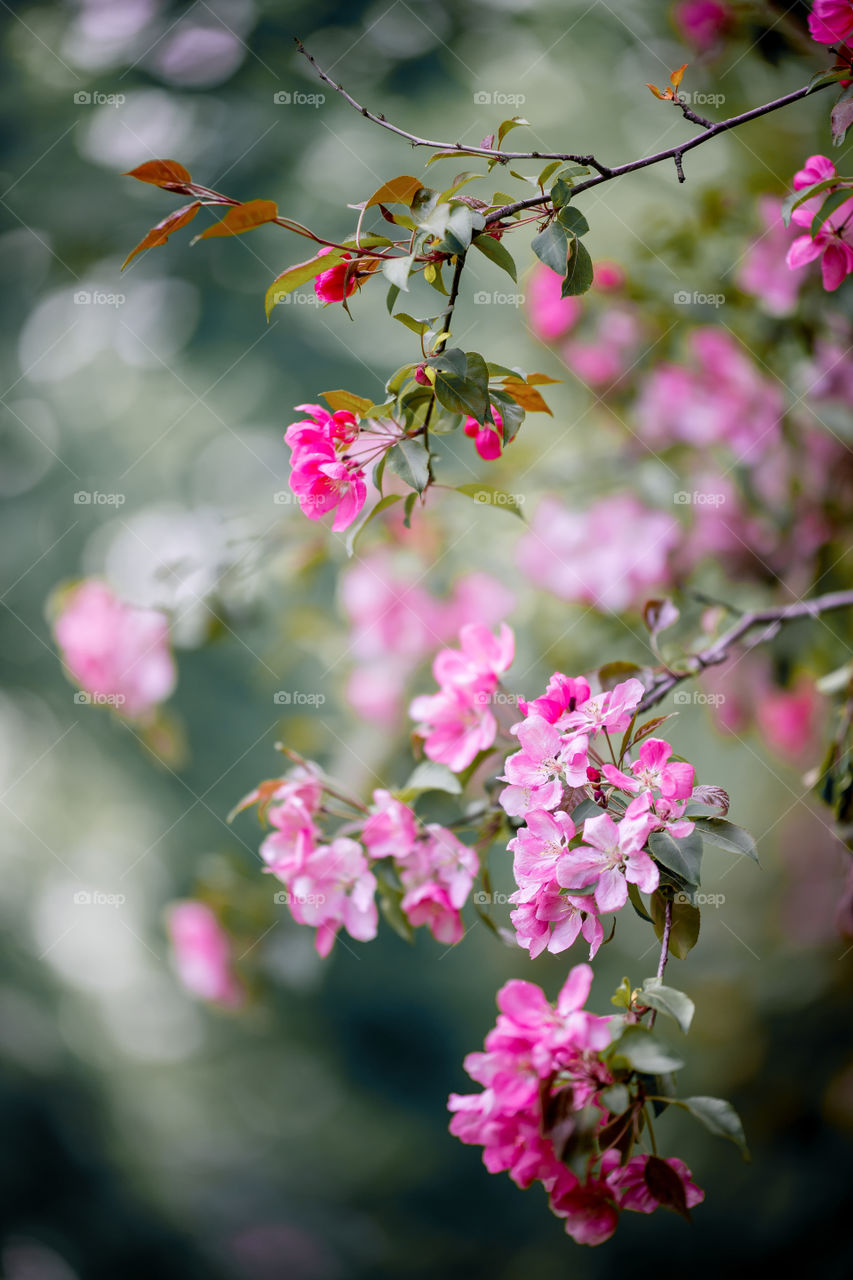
x=160, y=234
x=243, y=217
x=161, y=173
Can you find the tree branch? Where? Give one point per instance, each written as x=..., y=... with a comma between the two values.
x=460, y=147
x=770, y=619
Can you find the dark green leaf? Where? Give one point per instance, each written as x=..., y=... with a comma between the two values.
x=727, y=836
x=573, y=220
x=496, y=253
x=410, y=461
x=578, y=278
x=669, y=1001
x=720, y=1118
x=642, y=1050
x=551, y=246
x=685, y=924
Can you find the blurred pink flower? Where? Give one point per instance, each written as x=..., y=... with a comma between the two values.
x=764, y=272
x=550, y=315
x=702, y=22
x=437, y=875
x=333, y=887
x=788, y=718
x=202, y=953
x=608, y=556
x=116, y=652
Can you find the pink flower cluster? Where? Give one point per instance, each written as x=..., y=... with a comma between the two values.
x=540, y=1062
x=329, y=880
x=457, y=723
x=833, y=242
x=608, y=556
x=396, y=622
x=716, y=397
x=202, y=954
x=117, y=653
x=488, y=438
x=764, y=272
x=566, y=878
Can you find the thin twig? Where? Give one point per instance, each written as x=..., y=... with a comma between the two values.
x=770, y=619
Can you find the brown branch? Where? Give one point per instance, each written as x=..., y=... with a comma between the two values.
x=770, y=619
x=460, y=147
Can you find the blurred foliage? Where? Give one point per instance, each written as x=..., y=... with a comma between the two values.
x=307, y=1137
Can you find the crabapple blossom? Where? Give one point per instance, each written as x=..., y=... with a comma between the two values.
x=545, y=917
x=391, y=829
x=333, y=888
x=651, y=770
x=833, y=242
x=764, y=272
x=546, y=763
x=611, y=858
x=831, y=21
x=322, y=475
x=488, y=439
x=202, y=953
x=437, y=875
x=116, y=652
x=702, y=22
x=333, y=285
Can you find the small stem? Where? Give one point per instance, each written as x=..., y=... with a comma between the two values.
x=664, y=946
x=679, y=167
x=446, y=321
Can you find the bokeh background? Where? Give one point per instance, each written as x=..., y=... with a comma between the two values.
x=305, y=1136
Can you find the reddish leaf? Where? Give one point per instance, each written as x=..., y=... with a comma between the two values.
x=161, y=173
x=243, y=217
x=160, y=234
x=666, y=1186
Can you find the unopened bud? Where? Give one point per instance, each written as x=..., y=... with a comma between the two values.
x=421, y=376
x=593, y=774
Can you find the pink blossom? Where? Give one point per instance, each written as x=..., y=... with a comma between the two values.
x=603, y=359
x=202, y=954
x=702, y=22
x=609, y=556
x=391, y=829
x=488, y=439
x=564, y=694
x=831, y=21
x=608, y=712
x=119, y=654
x=788, y=718
x=545, y=765
x=832, y=243
x=717, y=396
x=290, y=809
x=543, y=915
x=323, y=475
x=329, y=285
x=551, y=316
x=652, y=772
x=332, y=888
x=628, y=1183
x=764, y=272
x=438, y=875
x=611, y=859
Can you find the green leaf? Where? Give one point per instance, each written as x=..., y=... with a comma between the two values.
x=505, y=127
x=347, y=401
x=416, y=326
x=719, y=1117
x=637, y=903
x=400, y=190
x=842, y=116
x=396, y=271
x=293, y=277
x=642, y=1050
x=546, y=173
x=461, y=224
x=578, y=278
x=468, y=393
x=496, y=253
x=616, y=1099
x=391, y=297
x=408, y=508
x=551, y=246
x=830, y=204
x=354, y=535
x=682, y=855
x=511, y=412
x=675, y=1004
x=727, y=836
x=489, y=496
x=410, y=461
x=685, y=924
x=796, y=198
x=573, y=220
x=429, y=776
